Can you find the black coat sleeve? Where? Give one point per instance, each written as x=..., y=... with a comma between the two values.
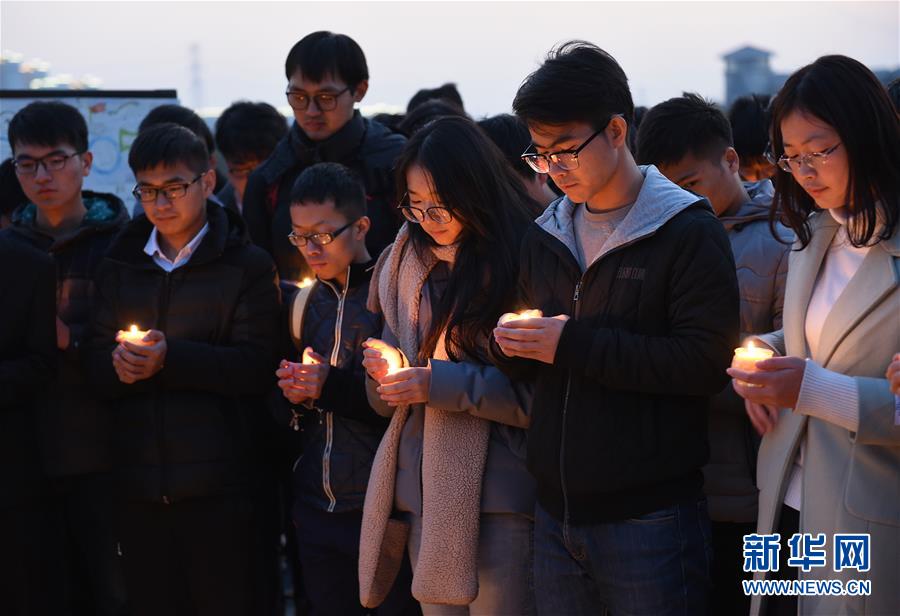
x=33, y=365
x=101, y=340
x=246, y=365
x=703, y=316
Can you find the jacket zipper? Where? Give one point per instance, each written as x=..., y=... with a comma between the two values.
x=160, y=407
x=562, y=438
x=329, y=417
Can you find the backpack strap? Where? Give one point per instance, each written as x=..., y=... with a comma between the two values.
x=298, y=310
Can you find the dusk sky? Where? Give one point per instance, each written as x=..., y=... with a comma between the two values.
x=486, y=48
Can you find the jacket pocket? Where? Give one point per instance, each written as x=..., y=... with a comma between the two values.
x=868, y=495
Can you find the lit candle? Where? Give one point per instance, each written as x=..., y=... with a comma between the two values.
x=524, y=314
x=305, y=283
x=132, y=335
x=745, y=359
x=308, y=359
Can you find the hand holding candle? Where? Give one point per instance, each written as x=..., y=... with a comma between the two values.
x=380, y=359
x=139, y=355
x=530, y=335
x=745, y=359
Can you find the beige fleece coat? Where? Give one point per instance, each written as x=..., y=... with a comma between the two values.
x=454, y=452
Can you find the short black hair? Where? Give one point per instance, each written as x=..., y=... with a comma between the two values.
x=446, y=92
x=428, y=112
x=749, y=118
x=48, y=123
x=249, y=131
x=321, y=53
x=511, y=135
x=182, y=116
x=168, y=144
x=681, y=126
x=331, y=182
x=578, y=82
x=11, y=193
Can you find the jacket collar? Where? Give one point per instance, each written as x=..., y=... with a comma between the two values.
x=658, y=201
x=359, y=274
x=104, y=211
x=224, y=230
x=878, y=276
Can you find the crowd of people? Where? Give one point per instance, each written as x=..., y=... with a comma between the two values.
x=448, y=366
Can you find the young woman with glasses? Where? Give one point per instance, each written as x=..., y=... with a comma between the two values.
x=451, y=467
x=829, y=463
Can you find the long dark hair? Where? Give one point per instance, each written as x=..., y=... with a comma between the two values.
x=848, y=97
x=475, y=182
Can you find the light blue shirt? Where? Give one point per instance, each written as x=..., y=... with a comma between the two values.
x=184, y=255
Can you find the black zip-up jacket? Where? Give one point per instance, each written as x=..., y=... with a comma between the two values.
x=185, y=433
x=73, y=424
x=341, y=431
x=366, y=147
x=619, y=426
x=27, y=362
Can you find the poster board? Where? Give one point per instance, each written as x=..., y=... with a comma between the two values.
x=112, y=118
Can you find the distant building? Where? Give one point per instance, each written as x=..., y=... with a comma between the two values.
x=747, y=71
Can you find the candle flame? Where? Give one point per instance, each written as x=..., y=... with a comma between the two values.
x=306, y=282
x=133, y=329
x=308, y=359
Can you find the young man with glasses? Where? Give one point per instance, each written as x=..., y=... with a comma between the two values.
x=49, y=140
x=323, y=389
x=636, y=282
x=327, y=75
x=185, y=273
x=690, y=140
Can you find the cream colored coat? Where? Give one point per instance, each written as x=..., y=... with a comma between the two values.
x=851, y=481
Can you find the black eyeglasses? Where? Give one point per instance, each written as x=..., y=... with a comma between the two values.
x=319, y=239
x=325, y=101
x=149, y=194
x=567, y=160
x=51, y=162
x=436, y=213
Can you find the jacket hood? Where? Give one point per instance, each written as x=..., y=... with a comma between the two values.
x=104, y=211
x=761, y=194
x=226, y=229
x=658, y=201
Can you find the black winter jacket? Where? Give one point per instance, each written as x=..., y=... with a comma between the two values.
x=366, y=147
x=73, y=424
x=185, y=433
x=27, y=363
x=341, y=431
x=619, y=426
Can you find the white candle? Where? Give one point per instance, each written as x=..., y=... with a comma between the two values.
x=745, y=359
x=524, y=314
x=132, y=335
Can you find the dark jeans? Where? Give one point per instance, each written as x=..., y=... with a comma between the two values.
x=194, y=557
x=25, y=569
x=657, y=564
x=728, y=568
x=329, y=556
x=84, y=538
